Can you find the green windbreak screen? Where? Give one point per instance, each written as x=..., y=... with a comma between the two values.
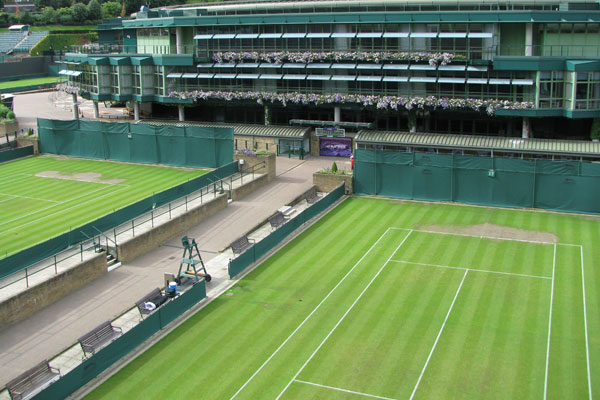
x=13, y=154
x=189, y=146
x=555, y=185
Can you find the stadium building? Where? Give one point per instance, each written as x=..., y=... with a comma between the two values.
x=518, y=68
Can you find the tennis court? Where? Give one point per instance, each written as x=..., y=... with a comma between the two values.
x=395, y=300
x=44, y=196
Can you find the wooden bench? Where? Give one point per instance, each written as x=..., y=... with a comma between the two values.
x=312, y=196
x=33, y=381
x=155, y=297
x=242, y=244
x=277, y=219
x=99, y=337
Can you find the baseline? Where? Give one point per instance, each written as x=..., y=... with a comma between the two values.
x=309, y=316
x=344, y=316
x=587, y=342
x=30, y=198
x=477, y=236
x=343, y=390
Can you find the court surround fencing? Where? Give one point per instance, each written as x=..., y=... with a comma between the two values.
x=571, y=186
x=180, y=146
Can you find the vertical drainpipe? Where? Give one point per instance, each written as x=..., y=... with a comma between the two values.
x=179, y=39
x=75, y=106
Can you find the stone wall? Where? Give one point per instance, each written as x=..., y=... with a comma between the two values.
x=8, y=127
x=39, y=296
x=147, y=241
x=242, y=191
x=328, y=182
x=252, y=160
x=33, y=141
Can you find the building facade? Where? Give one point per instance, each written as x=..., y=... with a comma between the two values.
x=525, y=68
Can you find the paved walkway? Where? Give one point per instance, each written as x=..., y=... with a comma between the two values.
x=55, y=328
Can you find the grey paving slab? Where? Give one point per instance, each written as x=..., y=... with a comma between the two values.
x=56, y=328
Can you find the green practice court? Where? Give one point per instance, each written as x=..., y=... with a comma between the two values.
x=396, y=300
x=42, y=197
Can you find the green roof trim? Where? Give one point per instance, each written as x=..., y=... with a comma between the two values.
x=141, y=61
x=274, y=131
x=487, y=143
x=119, y=61
x=583, y=65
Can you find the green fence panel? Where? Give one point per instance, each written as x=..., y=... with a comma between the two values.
x=507, y=182
x=93, y=366
x=241, y=262
x=117, y=145
x=179, y=305
x=198, y=147
x=590, y=169
x=432, y=183
x=13, y=154
x=513, y=189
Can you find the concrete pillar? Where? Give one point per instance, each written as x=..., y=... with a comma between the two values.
x=96, y=111
x=337, y=114
x=267, y=115
x=136, y=111
x=529, y=39
x=75, y=106
x=179, y=39
x=525, y=133
x=181, y=112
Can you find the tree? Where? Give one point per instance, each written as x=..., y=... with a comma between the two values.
x=94, y=10
x=111, y=9
x=49, y=16
x=25, y=18
x=79, y=12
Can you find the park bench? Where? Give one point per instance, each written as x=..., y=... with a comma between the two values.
x=99, y=337
x=312, y=196
x=33, y=381
x=277, y=219
x=241, y=244
x=155, y=297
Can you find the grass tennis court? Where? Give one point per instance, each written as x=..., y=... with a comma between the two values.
x=41, y=197
x=396, y=300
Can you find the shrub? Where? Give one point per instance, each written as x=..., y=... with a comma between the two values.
x=10, y=115
x=334, y=167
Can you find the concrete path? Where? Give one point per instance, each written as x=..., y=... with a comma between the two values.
x=57, y=327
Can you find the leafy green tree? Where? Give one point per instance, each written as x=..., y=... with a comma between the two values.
x=49, y=15
x=79, y=12
x=111, y=9
x=26, y=18
x=94, y=10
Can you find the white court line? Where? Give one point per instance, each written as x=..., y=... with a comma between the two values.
x=438, y=336
x=473, y=270
x=49, y=207
x=31, y=198
x=344, y=390
x=309, y=315
x=549, y=326
x=476, y=236
x=587, y=345
x=342, y=318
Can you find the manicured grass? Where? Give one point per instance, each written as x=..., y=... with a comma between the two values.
x=355, y=305
x=28, y=82
x=34, y=209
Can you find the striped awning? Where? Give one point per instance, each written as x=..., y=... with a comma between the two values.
x=274, y=131
x=489, y=143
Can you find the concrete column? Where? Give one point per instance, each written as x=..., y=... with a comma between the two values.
x=179, y=39
x=136, y=111
x=96, y=111
x=525, y=133
x=337, y=114
x=267, y=115
x=529, y=39
x=75, y=107
x=181, y=112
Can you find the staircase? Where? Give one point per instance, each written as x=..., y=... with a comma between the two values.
x=111, y=262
